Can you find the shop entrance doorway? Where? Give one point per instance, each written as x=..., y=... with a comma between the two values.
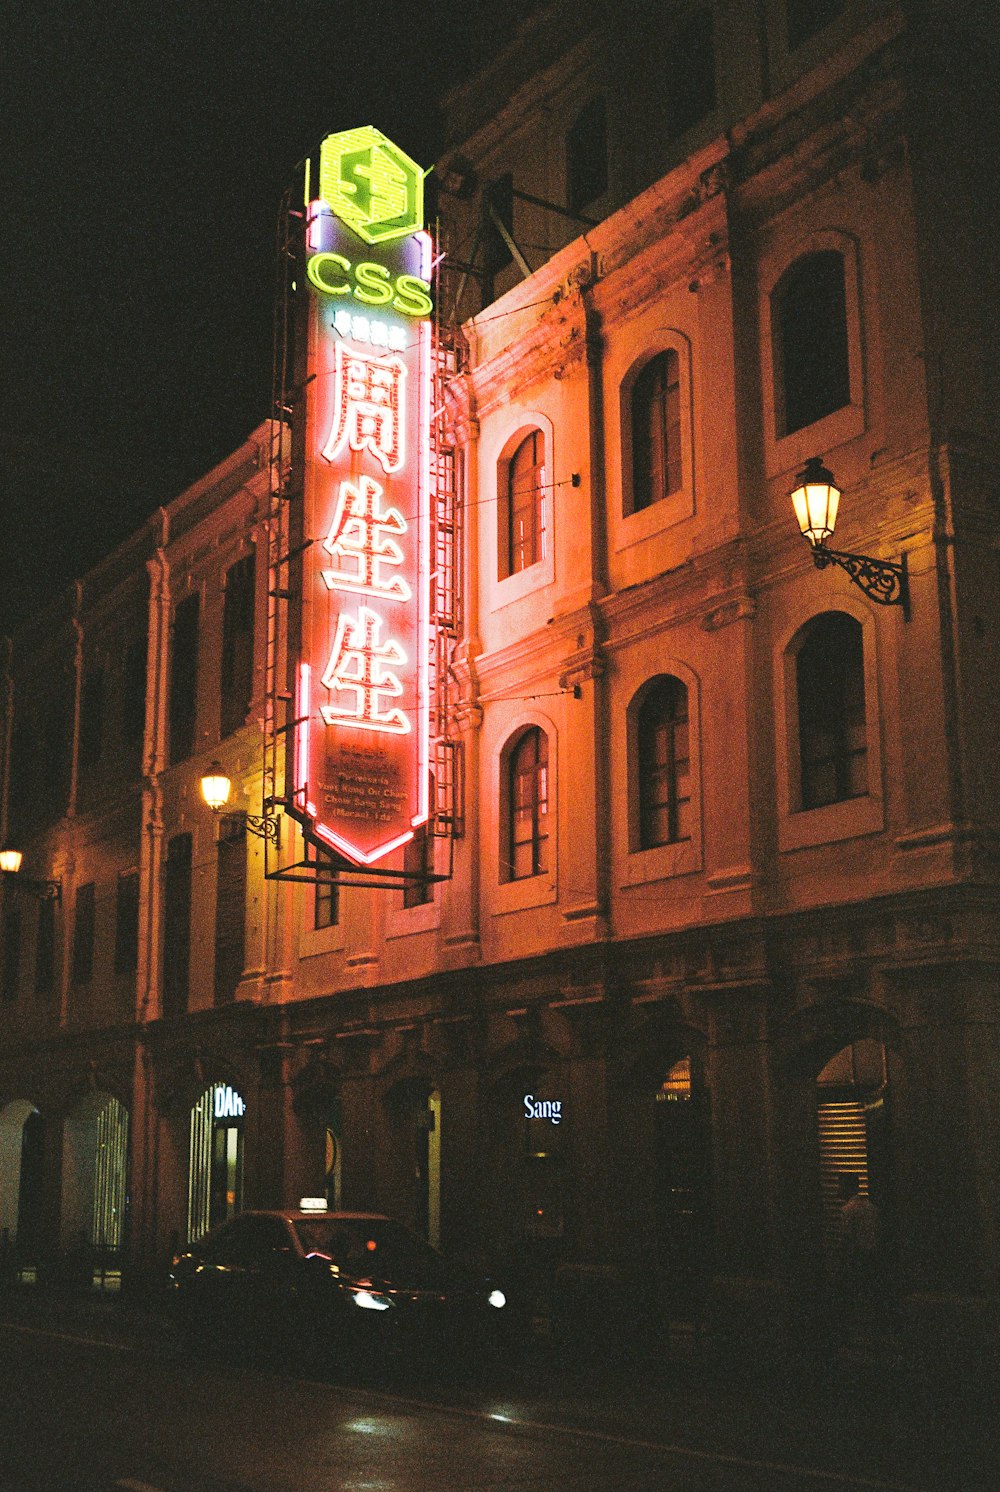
x=215, y=1176
x=852, y=1117
x=22, y=1162
x=681, y=1192
x=95, y=1157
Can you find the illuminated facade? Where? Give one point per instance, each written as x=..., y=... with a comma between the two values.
x=719, y=920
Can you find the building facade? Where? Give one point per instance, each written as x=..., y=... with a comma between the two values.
x=718, y=921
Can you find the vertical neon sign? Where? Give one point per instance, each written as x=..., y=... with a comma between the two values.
x=359, y=760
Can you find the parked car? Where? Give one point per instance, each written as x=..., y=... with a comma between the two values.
x=344, y=1287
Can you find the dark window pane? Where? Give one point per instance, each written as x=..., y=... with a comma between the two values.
x=587, y=156
x=689, y=72
x=45, y=948
x=91, y=716
x=11, y=954
x=528, y=798
x=811, y=323
x=831, y=692
x=134, y=690
x=656, y=431
x=177, y=925
x=806, y=17
x=418, y=861
x=183, y=678
x=664, y=775
x=326, y=907
x=83, y=935
x=230, y=907
x=522, y=512
x=237, y=644
x=127, y=923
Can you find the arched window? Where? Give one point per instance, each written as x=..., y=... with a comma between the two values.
x=809, y=318
x=656, y=431
x=521, y=537
x=830, y=681
x=664, y=765
x=527, y=828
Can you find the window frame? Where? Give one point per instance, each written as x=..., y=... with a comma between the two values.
x=785, y=453
x=850, y=817
x=507, y=509
x=503, y=895
x=638, y=523
x=664, y=692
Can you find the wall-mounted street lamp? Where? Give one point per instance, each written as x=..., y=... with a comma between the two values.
x=816, y=499
x=10, y=865
x=215, y=789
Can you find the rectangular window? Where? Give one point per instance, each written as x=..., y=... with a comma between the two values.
x=83, y=935
x=45, y=948
x=177, y=925
x=11, y=954
x=326, y=907
x=418, y=861
x=91, y=716
x=183, y=679
x=689, y=75
x=127, y=923
x=806, y=17
x=134, y=690
x=237, y=644
x=230, y=907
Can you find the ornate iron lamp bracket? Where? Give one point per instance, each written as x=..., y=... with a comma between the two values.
x=882, y=580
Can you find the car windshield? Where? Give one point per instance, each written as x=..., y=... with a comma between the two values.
x=372, y=1247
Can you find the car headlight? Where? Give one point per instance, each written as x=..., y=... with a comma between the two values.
x=370, y=1300
x=497, y=1298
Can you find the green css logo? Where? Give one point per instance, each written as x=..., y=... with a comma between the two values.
x=371, y=185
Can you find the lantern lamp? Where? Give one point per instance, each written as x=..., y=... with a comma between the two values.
x=816, y=500
x=216, y=787
x=10, y=866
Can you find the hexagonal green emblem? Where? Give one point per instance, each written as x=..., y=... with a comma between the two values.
x=371, y=184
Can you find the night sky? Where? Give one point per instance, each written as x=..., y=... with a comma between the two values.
x=148, y=148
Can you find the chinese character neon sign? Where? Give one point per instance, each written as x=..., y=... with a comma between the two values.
x=359, y=757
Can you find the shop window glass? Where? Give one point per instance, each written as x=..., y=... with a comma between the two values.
x=664, y=765
x=830, y=680
x=656, y=431
x=809, y=317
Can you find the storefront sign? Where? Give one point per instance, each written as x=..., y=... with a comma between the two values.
x=228, y=1104
x=360, y=769
x=542, y=1108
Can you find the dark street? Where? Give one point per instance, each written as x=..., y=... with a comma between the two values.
x=132, y=1411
